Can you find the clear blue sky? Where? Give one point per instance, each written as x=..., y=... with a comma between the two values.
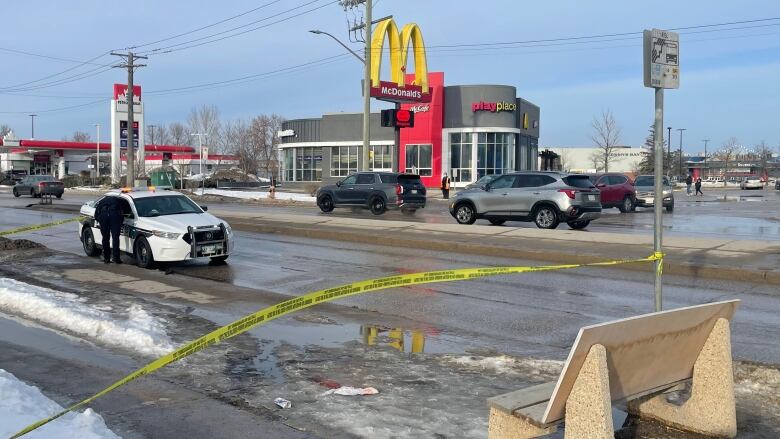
x=729, y=77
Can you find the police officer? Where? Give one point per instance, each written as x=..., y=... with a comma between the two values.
x=108, y=213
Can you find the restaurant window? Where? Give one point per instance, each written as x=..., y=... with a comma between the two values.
x=381, y=158
x=343, y=160
x=494, y=153
x=460, y=156
x=302, y=164
x=419, y=159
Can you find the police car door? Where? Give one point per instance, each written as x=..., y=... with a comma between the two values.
x=127, y=234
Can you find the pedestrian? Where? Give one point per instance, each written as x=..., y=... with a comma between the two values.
x=698, y=187
x=688, y=183
x=108, y=213
x=445, y=186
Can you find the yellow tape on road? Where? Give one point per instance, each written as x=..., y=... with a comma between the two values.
x=308, y=300
x=38, y=226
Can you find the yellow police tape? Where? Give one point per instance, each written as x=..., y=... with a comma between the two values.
x=307, y=300
x=38, y=226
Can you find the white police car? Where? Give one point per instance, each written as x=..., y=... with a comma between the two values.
x=160, y=226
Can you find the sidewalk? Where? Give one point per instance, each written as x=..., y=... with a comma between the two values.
x=743, y=260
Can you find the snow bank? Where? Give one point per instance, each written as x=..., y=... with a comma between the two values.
x=88, y=189
x=256, y=195
x=139, y=331
x=21, y=405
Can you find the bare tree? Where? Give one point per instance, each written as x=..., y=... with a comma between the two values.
x=264, y=130
x=726, y=154
x=81, y=136
x=4, y=129
x=597, y=160
x=157, y=135
x=606, y=136
x=564, y=162
x=239, y=135
x=763, y=153
x=178, y=134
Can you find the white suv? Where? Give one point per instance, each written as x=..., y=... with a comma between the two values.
x=160, y=226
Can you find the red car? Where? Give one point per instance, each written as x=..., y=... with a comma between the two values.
x=617, y=190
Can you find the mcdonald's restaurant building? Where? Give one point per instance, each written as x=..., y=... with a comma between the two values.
x=467, y=131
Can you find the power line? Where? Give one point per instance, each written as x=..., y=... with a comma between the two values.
x=204, y=27
x=184, y=45
x=51, y=110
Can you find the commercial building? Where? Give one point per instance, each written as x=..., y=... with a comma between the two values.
x=466, y=131
x=622, y=159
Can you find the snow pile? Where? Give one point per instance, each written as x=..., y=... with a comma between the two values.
x=256, y=195
x=88, y=188
x=504, y=364
x=21, y=405
x=139, y=331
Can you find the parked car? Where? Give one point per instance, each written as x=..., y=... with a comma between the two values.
x=617, y=190
x=12, y=176
x=482, y=181
x=751, y=183
x=546, y=198
x=37, y=185
x=376, y=191
x=645, y=192
x=160, y=226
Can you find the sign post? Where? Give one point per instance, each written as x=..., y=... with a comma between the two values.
x=661, y=71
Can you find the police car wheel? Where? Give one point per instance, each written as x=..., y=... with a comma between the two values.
x=88, y=241
x=143, y=253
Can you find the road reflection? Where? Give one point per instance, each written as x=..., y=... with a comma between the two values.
x=393, y=337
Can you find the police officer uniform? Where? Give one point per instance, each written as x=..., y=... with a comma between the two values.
x=108, y=213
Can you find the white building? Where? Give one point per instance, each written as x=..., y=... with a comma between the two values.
x=588, y=159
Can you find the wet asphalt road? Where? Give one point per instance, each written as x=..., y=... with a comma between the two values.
x=721, y=213
x=530, y=314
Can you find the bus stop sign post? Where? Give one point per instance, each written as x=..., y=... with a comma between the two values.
x=661, y=71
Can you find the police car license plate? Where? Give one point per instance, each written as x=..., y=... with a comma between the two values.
x=208, y=249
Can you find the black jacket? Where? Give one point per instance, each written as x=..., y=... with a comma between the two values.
x=689, y=180
x=107, y=207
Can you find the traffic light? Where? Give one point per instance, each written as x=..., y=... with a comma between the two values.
x=397, y=118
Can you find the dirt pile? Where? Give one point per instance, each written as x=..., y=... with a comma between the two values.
x=18, y=244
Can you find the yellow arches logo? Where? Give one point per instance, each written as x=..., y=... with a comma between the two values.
x=397, y=88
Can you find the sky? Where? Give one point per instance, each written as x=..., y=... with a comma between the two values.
x=729, y=74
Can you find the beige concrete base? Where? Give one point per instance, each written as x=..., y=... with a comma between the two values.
x=505, y=426
x=589, y=407
x=710, y=409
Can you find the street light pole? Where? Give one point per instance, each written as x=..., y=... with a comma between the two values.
x=680, y=168
x=669, y=151
x=200, y=153
x=151, y=129
x=97, y=152
x=32, y=125
x=705, y=157
x=319, y=32
x=367, y=90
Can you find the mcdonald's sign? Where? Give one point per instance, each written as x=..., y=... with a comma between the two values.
x=397, y=90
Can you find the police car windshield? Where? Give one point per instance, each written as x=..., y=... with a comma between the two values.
x=165, y=205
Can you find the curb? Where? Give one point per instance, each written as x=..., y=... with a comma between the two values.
x=674, y=268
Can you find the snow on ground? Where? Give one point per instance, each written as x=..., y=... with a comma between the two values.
x=21, y=405
x=88, y=189
x=256, y=195
x=138, y=330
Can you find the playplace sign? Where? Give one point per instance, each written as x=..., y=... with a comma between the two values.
x=493, y=107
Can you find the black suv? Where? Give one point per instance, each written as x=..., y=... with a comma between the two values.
x=376, y=191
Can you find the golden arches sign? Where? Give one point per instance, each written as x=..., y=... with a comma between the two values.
x=399, y=51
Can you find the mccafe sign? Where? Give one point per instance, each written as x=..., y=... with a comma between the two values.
x=493, y=107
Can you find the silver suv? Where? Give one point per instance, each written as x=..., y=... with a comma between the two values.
x=546, y=198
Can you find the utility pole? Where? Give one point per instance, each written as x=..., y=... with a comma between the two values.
x=130, y=65
x=200, y=154
x=367, y=90
x=680, y=168
x=151, y=130
x=706, y=141
x=669, y=151
x=32, y=125
x=97, y=152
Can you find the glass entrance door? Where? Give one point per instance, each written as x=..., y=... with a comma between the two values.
x=461, y=157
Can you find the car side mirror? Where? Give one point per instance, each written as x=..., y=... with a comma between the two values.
x=338, y=184
x=601, y=185
x=205, y=208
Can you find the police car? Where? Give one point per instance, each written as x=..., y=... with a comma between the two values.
x=160, y=226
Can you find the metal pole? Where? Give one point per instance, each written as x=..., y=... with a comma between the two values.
x=32, y=125
x=680, y=167
x=367, y=91
x=202, y=177
x=705, y=157
x=659, y=195
x=669, y=151
x=97, y=152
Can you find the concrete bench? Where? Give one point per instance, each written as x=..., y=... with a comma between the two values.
x=633, y=360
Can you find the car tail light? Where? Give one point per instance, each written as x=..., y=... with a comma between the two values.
x=41, y=184
x=569, y=192
x=398, y=189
